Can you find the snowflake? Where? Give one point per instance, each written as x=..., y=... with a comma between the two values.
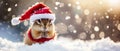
x=86, y=12
x=69, y=4
x=118, y=27
x=96, y=28
x=102, y=35
x=67, y=17
x=9, y=9
x=16, y=5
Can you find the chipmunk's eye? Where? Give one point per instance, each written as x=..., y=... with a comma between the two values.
x=38, y=21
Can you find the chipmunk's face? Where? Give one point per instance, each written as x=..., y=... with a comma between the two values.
x=43, y=28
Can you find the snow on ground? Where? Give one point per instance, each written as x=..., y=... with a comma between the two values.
x=61, y=44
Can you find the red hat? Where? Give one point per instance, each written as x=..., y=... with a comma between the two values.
x=38, y=11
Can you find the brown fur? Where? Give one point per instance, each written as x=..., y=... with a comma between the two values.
x=38, y=28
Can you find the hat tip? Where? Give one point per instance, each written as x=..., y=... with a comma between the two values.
x=15, y=21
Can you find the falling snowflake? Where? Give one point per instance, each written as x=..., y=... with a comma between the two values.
x=61, y=5
x=74, y=31
x=86, y=12
x=69, y=4
x=6, y=4
x=25, y=23
x=57, y=3
x=96, y=28
x=67, y=17
x=86, y=23
x=78, y=19
x=107, y=27
x=56, y=8
x=9, y=9
x=107, y=17
x=113, y=30
x=96, y=22
x=92, y=36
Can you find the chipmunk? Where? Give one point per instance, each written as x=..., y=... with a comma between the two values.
x=42, y=28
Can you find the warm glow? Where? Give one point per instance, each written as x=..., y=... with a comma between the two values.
x=114, y=2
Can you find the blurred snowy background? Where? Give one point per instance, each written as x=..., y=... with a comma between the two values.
x=81, y=19
x=75, y=19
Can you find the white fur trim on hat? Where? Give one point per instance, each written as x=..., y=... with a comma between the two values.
x=15, y=21
x=39, y=16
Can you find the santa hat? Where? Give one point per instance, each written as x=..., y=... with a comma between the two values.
x=38, y=11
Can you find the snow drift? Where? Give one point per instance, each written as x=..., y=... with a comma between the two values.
x=61, y=44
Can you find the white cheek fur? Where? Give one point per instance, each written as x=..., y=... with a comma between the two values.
x=38, y=28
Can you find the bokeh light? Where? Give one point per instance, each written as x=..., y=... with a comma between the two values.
x=9, y=9
x=77, y=19
x=82, y=35
x=114, y=2
x=96, y=28
x=102, y=35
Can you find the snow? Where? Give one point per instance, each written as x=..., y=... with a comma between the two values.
x=83, y=16
x=61, y=44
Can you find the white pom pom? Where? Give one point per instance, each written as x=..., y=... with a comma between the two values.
x=15, y=21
